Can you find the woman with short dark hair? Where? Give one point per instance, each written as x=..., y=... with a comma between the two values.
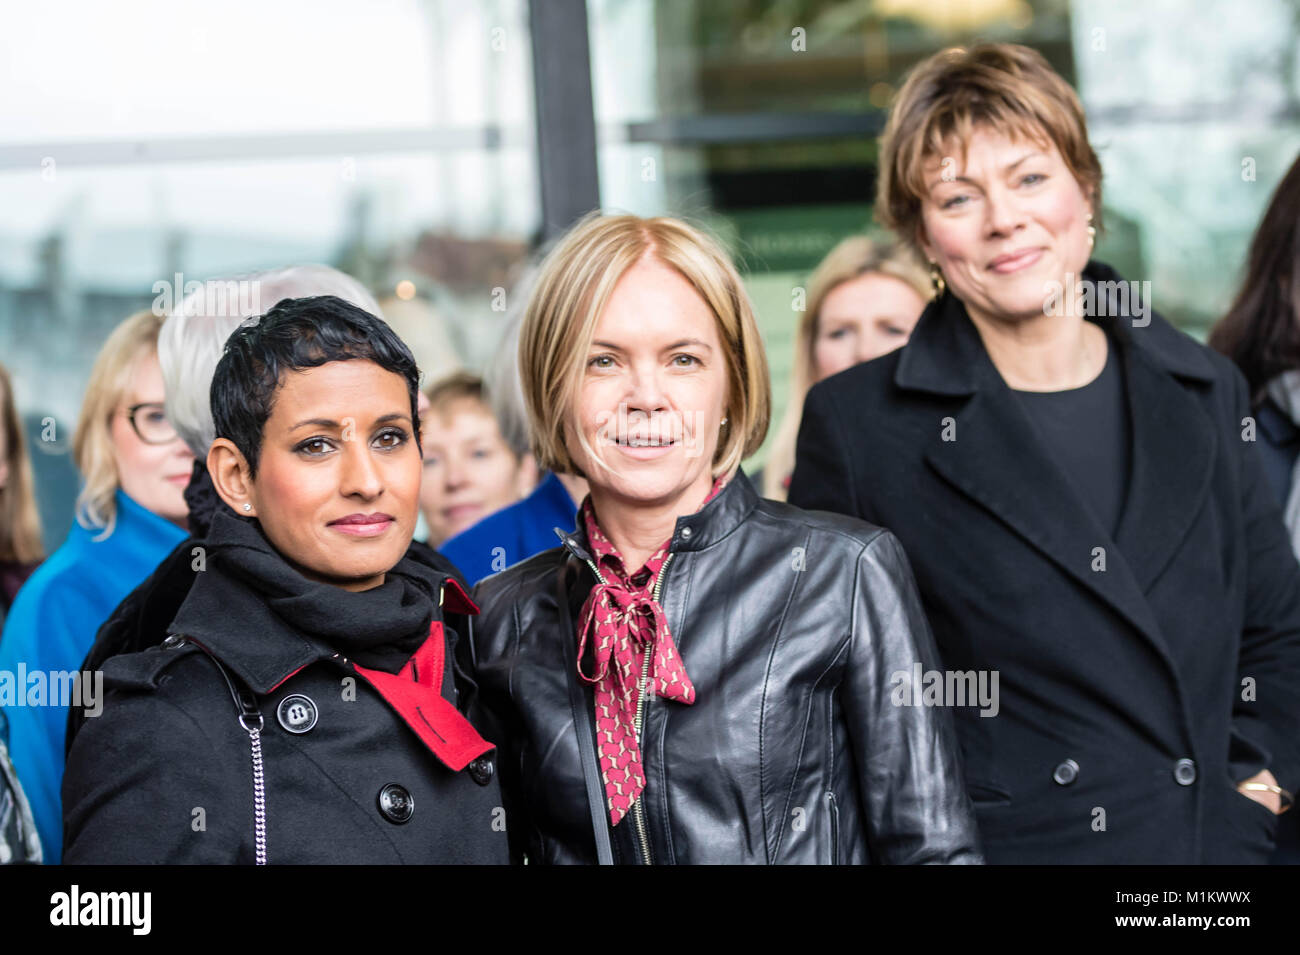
x=304, y=708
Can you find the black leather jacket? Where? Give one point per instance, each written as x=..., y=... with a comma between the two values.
x=791, y=625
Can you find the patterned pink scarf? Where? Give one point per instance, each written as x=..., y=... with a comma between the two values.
x=622, y=620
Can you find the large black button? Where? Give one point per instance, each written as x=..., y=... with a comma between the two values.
x=1185, y=772
x=297, y=714
x=481, y=770
x=1066, y=773
x=396, y=804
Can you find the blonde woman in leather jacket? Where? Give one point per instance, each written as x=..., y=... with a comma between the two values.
x=695, y=675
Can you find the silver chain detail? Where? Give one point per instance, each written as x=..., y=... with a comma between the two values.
x=259, y=789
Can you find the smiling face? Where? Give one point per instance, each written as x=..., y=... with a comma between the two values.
x=1004, y=224
x=469, y=470
x=338, y=481
x=152, y=475
x=861, y=319
x=653, y=393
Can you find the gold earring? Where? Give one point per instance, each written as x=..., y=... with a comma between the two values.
x=936, y=279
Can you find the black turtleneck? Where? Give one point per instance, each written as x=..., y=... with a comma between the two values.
x=1086, y=431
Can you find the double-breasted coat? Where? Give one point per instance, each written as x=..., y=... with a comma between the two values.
x=1141, y=674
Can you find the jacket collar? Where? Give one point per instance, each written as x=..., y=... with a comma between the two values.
x=691, y=532
x=993, y=455
x=946, y=356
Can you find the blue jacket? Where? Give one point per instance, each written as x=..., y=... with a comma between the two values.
x=513, y=533
x=50, y=629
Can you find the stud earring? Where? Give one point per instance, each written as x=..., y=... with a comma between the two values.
x=248, y=507
x=1092, y=232
x=724, y=421
x=936, y=279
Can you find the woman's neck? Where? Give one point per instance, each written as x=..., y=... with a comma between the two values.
x=576, y=486
x=1043, y=353
x=636, y=528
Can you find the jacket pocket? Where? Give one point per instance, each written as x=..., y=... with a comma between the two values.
x=1251, y=828
x=832, y=813
x=987, y=795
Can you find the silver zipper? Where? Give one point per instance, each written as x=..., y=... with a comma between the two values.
x=259, y=788
x=599, y=576
x=638, y=814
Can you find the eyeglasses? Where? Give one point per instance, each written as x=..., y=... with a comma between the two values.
x=150, y=423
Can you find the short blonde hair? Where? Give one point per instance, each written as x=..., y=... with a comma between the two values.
x=857, y=255
x=92, y=446
x=1002, y=86
x=573, y=286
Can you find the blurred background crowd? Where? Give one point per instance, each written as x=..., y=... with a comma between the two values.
x=430, y=147
x=416, y=158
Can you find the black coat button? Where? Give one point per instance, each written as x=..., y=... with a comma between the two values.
x=396, y=804
x=1185, y=772
x=297, y=714
x=1066, y=773
x=481, y=770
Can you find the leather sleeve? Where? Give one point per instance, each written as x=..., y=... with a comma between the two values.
x=907, y=756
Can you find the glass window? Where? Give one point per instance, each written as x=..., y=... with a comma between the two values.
x=163, y=142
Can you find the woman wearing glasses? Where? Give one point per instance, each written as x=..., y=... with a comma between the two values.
x=130, y=514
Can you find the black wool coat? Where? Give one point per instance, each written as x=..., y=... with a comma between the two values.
x=143, y=617
x=1132, y=698
x=349, y=774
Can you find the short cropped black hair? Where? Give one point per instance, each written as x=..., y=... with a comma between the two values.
x=297, y=333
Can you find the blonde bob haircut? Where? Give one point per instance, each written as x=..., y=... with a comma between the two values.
x=1004, y=87
x=92, y=447
x=573, y=286
x=853, y=257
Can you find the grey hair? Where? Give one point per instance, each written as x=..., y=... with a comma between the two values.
x=194, y=335
x=501, y=377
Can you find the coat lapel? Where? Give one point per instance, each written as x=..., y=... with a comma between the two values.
x=998, y=461
x=1174, y=445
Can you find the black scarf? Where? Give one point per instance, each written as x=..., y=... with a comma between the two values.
x=250, y=598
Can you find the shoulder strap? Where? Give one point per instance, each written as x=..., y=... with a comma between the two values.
x=582, y=724
x=250, y=718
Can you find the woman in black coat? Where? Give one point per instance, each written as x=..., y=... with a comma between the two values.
x=303, y=709
x=1261, y=334
x=1071, y=479
x=696, y=675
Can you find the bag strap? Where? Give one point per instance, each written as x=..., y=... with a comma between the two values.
x=582, y=725
x=250, y=718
